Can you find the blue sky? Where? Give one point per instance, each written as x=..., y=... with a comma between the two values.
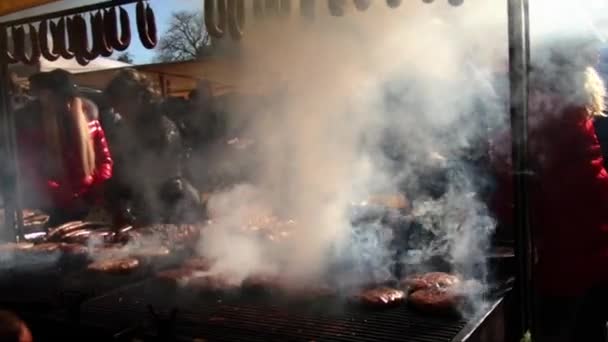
x=162, y=9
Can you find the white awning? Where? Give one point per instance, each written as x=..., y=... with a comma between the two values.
x=72, y=66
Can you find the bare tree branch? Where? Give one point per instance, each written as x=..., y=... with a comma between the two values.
x=185, y=39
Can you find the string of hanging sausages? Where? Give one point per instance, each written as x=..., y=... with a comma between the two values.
x=105, y=31
x=82, y=37
x=229, y=15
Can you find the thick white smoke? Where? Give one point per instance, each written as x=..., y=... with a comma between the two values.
x=375, y=102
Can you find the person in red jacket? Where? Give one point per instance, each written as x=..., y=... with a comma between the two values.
x=63, y=153
x=568, y=190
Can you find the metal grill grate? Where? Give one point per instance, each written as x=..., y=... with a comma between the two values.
x=230, y=317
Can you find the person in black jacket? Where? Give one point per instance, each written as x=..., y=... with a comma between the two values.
x=148, y=186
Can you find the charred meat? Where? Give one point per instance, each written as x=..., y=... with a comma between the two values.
x=430, y=280
x=436, y=300
x=380, y=297
x=115, y=266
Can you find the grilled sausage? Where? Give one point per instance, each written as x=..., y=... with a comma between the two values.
x=146, y=25
x=43, y=38
x=393, y=3
x=100, y=44
x=236, y=18
x=336, y=7
x=307, y=8
x=60, y=42
x=362, y=5
x=215, y=30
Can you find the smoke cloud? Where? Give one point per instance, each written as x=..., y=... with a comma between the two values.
x=376, y=102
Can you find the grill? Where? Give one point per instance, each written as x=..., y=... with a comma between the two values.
x=154, y=312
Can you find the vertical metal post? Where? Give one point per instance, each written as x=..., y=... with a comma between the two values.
x=518, y=75
x=13, y=214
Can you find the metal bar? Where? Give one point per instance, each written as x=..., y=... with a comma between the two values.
x=67, y=12
x=13, y=214
x=518, y=75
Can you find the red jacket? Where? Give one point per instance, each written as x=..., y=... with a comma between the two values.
x=73, y=188
x=568, y=201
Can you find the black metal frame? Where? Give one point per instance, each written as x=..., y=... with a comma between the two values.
x=518, y=69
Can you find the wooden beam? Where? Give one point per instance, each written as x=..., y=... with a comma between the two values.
x=11, y=6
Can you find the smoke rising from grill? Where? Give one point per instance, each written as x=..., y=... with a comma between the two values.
x=374, y=102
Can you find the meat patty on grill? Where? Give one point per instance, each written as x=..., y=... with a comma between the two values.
x=116, y=266
x=380, y=297
x=13, y=247
x=150, y=252
x=198, y=264
x=74, y=248
x=430, y=280
x=436, y=300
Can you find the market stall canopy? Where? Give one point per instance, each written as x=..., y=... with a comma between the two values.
x=100, y=63
x=11, y=6
x=181, y=77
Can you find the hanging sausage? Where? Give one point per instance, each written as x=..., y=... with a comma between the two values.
x=77, y=41
x=455, y=2
x=82, y=38
x=60, y=42
x=258, y=8
x=272, y=6
x=362, y=5
x=236, y=18
x=285, y=7
x=215, y=30
x=43, y=38
x=10, y=56
x=110, y=22
x=393, y=3
x=146, y=25
x=307, y=8
x=101, y=46
x=336, y=7
x=20, y=54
